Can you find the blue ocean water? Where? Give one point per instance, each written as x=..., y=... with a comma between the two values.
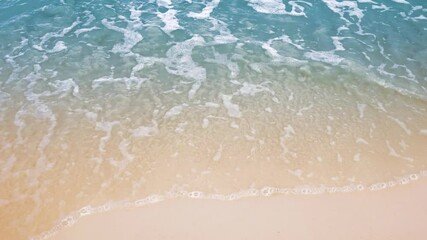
x=385, y=38
x=108, y=100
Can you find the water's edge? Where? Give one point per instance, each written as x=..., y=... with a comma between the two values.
x=266, y=191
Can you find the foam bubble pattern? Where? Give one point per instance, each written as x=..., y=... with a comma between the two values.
x=251, y=192
x=104, y=100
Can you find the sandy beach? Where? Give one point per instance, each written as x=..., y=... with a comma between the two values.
x=107, y=106
x=391, y=214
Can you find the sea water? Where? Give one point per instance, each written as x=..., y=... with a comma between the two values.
x=107, y=103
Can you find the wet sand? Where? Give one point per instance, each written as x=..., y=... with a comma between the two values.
x=391, y=214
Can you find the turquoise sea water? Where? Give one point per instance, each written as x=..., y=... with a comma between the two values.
x=387, y=38
x=109, y=100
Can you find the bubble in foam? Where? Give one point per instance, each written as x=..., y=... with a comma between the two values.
x=140, y=202
x=104, y=208
x=86, y=211
x=331, y=189
x=155, y=198
x=414, y=177
x=254, y=192
x=382, y=185
x=267, y=191
x=346, y=189
x=391, y=184
x=195, y=194
x=232, y=196
x=217, y=197
x=306, y=190
x=68, y=221
x=360, y=187
x=284, y=191
x=376, y=187
x=403, y=180
x=247, y=193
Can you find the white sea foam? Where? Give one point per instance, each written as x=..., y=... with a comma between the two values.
x=206, y=11
x=85, y=30
x=394, y=153
x=135, y=14
x=234, y=125
x=266, y=191
x=180, y=62
x=51, y=35
x=174, y=111
x=343, y=7
x=181, y=127
x=131, y=37
x=420, y=17
x=401, y=125
x=59, y=46
x=337, y=43
x=128, y=157
x=381, y=7
x=225, y=39
x=223, y=59
x=63, y=87
x=272, y=52
x=401, y=1
x=233, y=110
x=170, y=20
x=284, y=38
x=205, y=123
x=164, y=3
x=145, y=131
x=90, y=18
x=276, y=7
x=106, y=127
x=289, y=132
x=249, y=89
x=361, y=108
x=324, y=56
x=16, y=68
x=225, y=36
x=129, y=82
x=361, y=141
x=218, y=154
x=287, y=39
x=212, y=105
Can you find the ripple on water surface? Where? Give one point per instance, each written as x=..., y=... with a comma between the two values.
x=107, y=104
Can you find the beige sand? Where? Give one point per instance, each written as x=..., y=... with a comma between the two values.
x=392, y=214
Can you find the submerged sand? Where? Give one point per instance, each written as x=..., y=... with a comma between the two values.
x=392, y=214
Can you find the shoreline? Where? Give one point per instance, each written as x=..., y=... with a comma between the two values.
x=394, y=213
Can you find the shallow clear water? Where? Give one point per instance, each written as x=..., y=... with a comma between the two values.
x=108, y=100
